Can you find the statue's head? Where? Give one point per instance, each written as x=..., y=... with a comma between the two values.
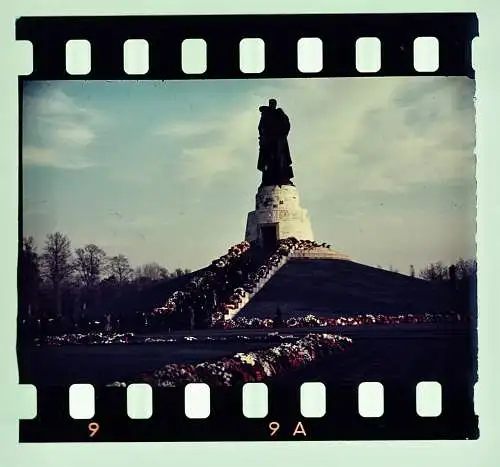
x=273, y=103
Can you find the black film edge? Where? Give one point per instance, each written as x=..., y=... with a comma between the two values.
x=455, y=31
x=222, y=33
x=226, y=421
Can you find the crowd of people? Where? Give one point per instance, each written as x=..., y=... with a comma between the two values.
x=247, y=367
x=317, y=321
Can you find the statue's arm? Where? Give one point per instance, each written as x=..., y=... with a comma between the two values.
x=286, y=123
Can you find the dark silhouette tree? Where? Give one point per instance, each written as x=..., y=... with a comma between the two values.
x=412, y=270
x=29, y=278
x=56, y=265
x=151, y=272
x=180, y=272
x=89, y=263
x=119, y=267
x=452, y=275
x=465, y=268
x=435, y=272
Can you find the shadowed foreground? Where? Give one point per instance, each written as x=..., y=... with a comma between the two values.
x=401, y=352
x=397, y=356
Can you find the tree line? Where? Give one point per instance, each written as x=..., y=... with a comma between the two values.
x=58, y=281
x=74, y=288
x=463, y=269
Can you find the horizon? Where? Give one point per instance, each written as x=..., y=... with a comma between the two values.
x=97, y=158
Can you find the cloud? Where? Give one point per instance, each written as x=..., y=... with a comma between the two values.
x=45, y=157
x=378, y=134
x=375, y=160
x=187, y=129
x=423, y=134
x=212, y=145
x=57, y=131
x=76, y=135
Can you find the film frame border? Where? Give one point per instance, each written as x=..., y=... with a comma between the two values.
x=223, y=33
x=164, y=34
x=226, y=421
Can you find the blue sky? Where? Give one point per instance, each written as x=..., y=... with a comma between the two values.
x=166, y=171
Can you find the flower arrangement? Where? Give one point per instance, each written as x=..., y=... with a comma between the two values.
x=315, y=321
x=248, y=367
x=205, y=280
x=89, y=338
x=202, y=282
x=292, y=322
x=130, y=338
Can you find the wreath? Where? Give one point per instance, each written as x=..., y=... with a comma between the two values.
x=292, y=322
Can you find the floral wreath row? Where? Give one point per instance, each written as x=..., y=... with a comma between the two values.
x=131, y=338
x=248, y=367
x=285, y=247
x=315, y=321
x=201, y=282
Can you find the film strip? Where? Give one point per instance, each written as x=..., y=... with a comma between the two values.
x=226, y=421
x=223, y=34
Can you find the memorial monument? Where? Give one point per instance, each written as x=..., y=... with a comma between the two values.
x=278, y=213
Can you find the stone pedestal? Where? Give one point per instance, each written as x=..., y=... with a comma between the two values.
x=278, y=212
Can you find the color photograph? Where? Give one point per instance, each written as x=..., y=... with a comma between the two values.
x=238, y=231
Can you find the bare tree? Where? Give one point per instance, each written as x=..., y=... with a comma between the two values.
x=29, y=277
x=435, y=272
x=56, y=264
x=120, y=268
x=90, y=262
x=151, y=271
x=28, y=244
x=465, y=268
x=178, y=272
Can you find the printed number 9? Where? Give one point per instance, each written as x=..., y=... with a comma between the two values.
x=274, y=427
x=93, y=428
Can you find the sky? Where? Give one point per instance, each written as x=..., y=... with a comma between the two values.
x=166, y=171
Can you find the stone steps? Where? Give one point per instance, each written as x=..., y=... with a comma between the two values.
x=260, y=284
x=319, y=253
x=316, y=253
